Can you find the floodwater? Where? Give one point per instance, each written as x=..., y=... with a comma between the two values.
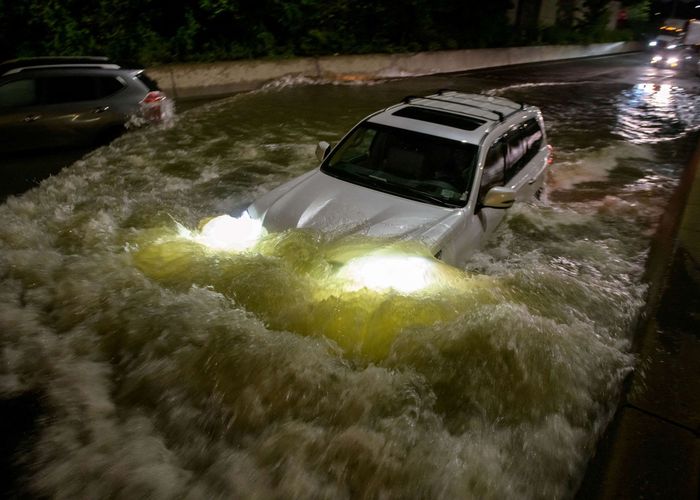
x=166, y=369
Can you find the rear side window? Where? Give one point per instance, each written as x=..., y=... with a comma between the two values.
x=533, y=137
x=150, y=83
x=108, y=85
x=61, y=89
x=523, y=143
x=18, y=93
x=517, y=148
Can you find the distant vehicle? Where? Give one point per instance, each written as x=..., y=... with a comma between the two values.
x=674, y=57
x=671, y=56
x=692, y=33
x=677, y=32
x=72, y=101
x=440, y=169
x=671, y=32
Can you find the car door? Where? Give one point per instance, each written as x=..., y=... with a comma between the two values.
x=19, y=114
x=479, y=224
x=74, y=109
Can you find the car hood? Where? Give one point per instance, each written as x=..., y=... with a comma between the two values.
x=319, y=201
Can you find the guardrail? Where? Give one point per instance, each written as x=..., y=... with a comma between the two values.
x=222, y=78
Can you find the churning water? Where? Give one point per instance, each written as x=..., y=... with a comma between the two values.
x=168, y=370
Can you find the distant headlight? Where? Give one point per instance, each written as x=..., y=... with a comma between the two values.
x=656, y=59
x=228, y=233
x=672, y=61
x=652, y=43
x=672, y=46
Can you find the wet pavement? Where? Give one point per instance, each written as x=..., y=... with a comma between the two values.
x=651, y=449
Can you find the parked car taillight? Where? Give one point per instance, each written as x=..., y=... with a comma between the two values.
x=151, y=106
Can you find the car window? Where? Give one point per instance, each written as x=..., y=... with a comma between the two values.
x=533, y=136
x=358, y=148
x=18, y=93
x=494, y=168
x=523, y=143
x=108, y=85
x=516, y=148
x=150, y=83
x=417, y=166
x=62, y=89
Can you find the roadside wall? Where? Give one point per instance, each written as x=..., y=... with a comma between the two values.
x=221, y=78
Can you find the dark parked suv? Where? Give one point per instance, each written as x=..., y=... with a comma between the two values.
x=70, y=101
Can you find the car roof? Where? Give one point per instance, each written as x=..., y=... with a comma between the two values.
x=451, y=114
x=33, y=63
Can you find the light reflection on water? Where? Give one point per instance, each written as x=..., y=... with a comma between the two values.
x=171, y=371
x=650, y=113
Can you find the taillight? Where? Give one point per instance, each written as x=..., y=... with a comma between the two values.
x=151, y=106
x=550, y=154
x=154, y=96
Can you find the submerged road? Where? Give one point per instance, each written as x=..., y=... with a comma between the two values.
x=136, y=363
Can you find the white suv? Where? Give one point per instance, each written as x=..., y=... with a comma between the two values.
x=440, y=169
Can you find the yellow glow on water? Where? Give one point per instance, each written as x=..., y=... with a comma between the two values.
x=353, y=292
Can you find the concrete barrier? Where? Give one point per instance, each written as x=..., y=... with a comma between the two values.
x=222, y=78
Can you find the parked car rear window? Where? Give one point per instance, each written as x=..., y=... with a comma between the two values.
x=18, y=93
x=108, y=85
x=64, y=89
x=151, y=84
x=60, y=89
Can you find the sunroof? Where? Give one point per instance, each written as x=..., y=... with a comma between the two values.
x=439, y=117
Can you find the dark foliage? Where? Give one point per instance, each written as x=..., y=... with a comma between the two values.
x=157, y=31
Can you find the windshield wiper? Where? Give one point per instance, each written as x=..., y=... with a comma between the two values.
x=356, y=178
x=387, y=186
x=419, y=195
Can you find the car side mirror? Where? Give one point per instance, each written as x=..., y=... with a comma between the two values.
x=499, y=197
x=322, y=150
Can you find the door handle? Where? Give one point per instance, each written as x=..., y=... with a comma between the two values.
x=532, y=180
x=31, y=118
x=100, y=109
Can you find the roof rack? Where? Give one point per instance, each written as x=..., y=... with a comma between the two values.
x=506, y=103
x=18, y=65
x=409, y=99
x=488, y=99
x=501, y=115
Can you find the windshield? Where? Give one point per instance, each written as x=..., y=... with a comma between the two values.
x=417, y=166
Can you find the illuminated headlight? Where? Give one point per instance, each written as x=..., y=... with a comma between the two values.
x=403, y=273
x=672, y=61
x=229, y=233
x=652, y=43
x=656, y=59
x=672, y=46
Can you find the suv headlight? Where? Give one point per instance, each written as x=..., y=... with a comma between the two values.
x=229, y=233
